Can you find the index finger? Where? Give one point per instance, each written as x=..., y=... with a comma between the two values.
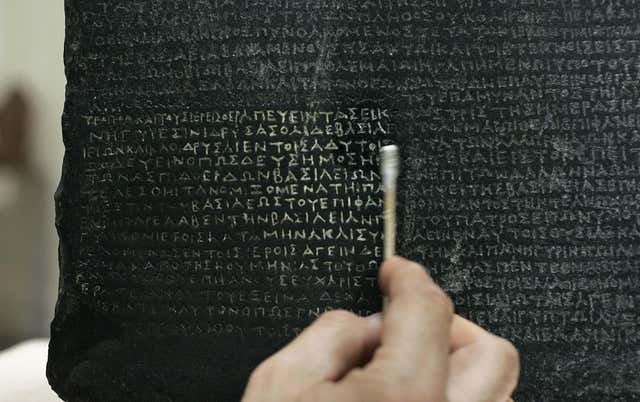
x=417, y=321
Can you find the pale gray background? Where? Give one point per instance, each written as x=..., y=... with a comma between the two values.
x=31, y=51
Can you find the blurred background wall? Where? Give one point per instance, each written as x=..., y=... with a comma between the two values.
x=31, y=64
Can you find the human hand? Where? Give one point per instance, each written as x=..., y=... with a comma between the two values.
x=418, y=351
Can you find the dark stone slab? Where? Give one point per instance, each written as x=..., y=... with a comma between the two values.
x=220, y=185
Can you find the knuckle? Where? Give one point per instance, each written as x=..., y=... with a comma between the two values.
x=419, y=268
x=266, y=368
x=362, y=378
x=510, y=361
x=261, y=374
x=410, y=271
x=408, y=387
x=509, y=353
x=272, y=375
x=316, y=393
x=438, y=301
x=423, y=391
x=334, y=317
x=269, y=368
x=410, y=394
x=394, y=261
